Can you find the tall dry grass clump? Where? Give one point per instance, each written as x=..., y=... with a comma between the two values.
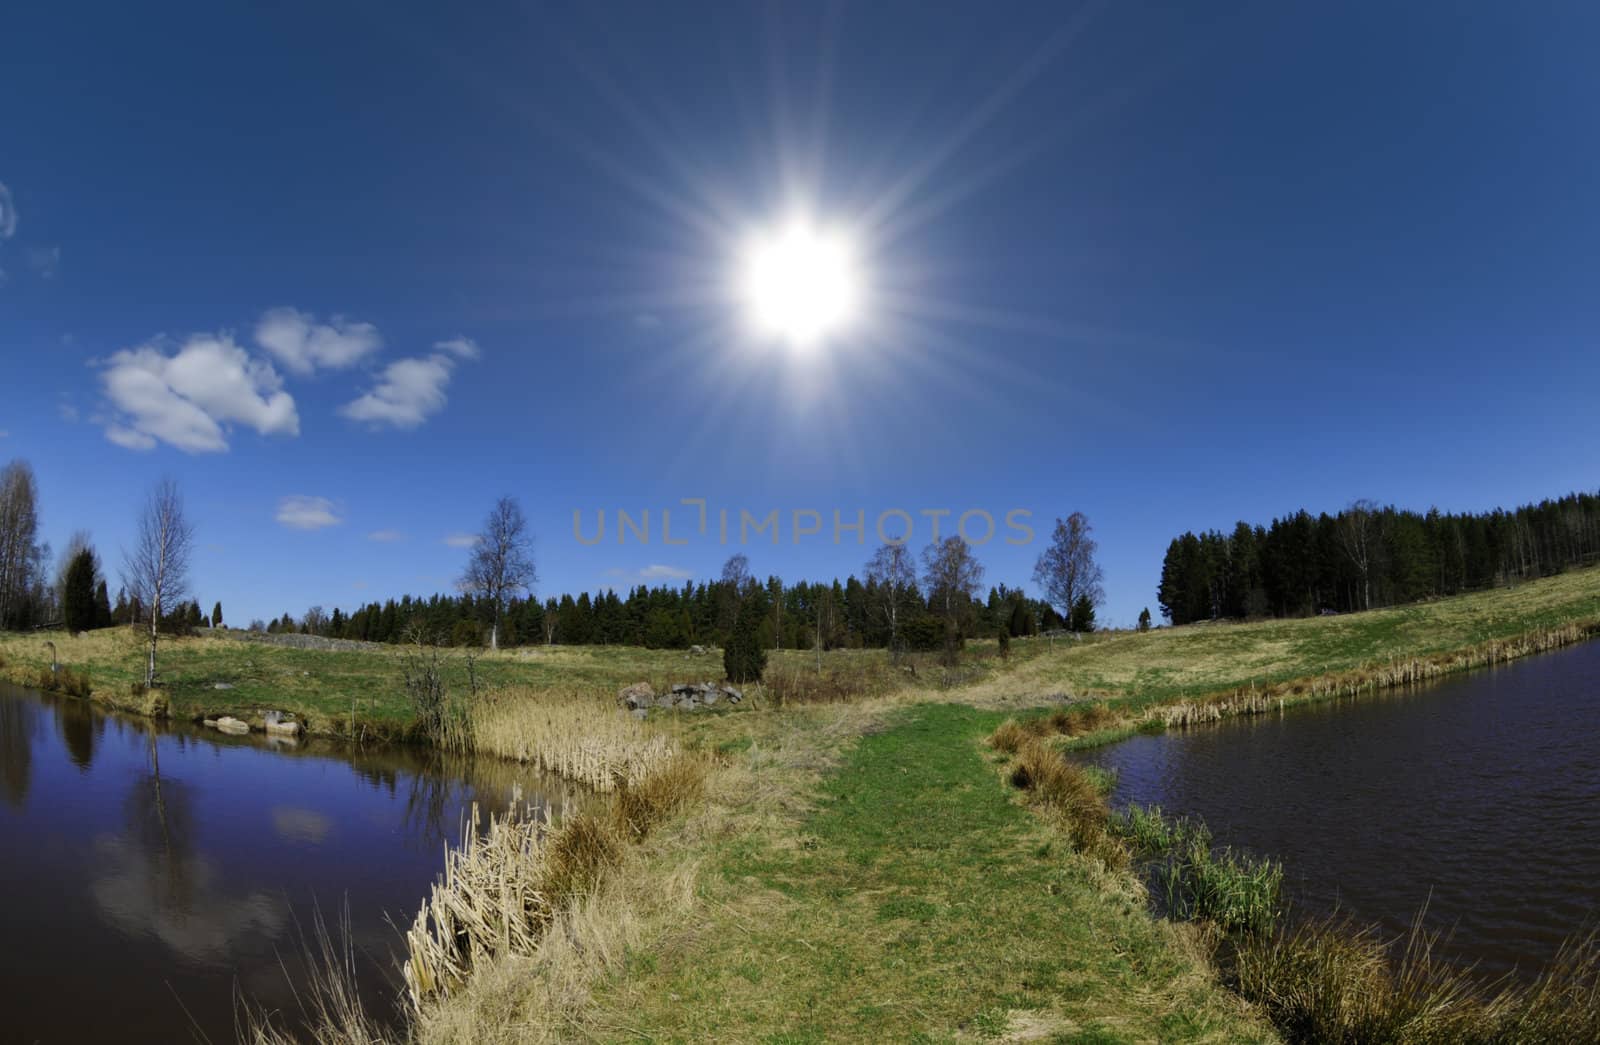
x=502, y=887
x=1066, y=792
x=582, y=737
x=1330, y=980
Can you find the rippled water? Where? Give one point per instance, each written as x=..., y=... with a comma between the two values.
x=145, y=872
x=1478, y=796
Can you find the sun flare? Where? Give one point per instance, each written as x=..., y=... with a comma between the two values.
x=800, y=283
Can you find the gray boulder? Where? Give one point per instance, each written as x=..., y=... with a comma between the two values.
x=639, y=695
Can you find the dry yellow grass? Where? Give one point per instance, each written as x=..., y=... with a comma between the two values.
x=582, y=737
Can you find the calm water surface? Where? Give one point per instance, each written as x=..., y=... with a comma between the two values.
x=144, y=872
x=1476, y=796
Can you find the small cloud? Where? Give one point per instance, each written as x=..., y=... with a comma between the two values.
x=68, y=413
x=411, y=390
x=653, y=572
x=300, y=512
x=386, y=536
x=462, y=540
x=188, y=399
x=464, y=347
x=8, y=213
x=302, y=344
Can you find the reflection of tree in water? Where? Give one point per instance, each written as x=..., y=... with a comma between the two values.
x=436, y=789
x=81, y=728
x=16, y=748
x=151, y=878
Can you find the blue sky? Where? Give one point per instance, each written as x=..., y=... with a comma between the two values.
x=1171, y=265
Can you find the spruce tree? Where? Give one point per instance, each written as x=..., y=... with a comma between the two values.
x=1083, y=614
x=1144, y=619
x=216, y=615
x=744, y=660
x=77, y=597
x=102, y=607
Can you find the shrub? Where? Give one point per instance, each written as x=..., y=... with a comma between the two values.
x=1008, y=737
x=743, y=659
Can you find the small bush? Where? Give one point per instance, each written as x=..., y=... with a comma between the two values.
x=638, y=806
x=156, y=704
x=744, y=660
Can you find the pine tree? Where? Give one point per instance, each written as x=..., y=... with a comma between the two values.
x=102, y=607
x=216, y=615
x=77, y=597
x=1083, y=614
x=744, y=660
x=1144, y=619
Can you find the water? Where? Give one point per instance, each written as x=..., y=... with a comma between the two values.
x=1475, y=796
x=146, y=872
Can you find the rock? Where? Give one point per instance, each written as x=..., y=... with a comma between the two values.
x=210, y=723
x=640, y=712
x=698, y=651
x=222, y=685
x=639, y=695
x=282, y=725
x=229, y=724
x=712, y=697
x=733, y=695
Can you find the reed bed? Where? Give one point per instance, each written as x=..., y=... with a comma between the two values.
x=582, y=737
x=502, y=888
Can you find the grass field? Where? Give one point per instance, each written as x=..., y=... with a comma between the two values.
x=860, y=866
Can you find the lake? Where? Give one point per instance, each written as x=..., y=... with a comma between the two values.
x=1477, y=797
x=150, y=870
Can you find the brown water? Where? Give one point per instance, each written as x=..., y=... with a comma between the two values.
x=146, y=872
x=1478, y=796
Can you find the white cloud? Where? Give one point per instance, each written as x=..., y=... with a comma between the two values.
x=386, y=536
x=8, y=213
x=189, y=399
x=464, y=347
x=653, y=572
x=462, y=540
x=302, y=344
x=302, y=512
x=411, y=390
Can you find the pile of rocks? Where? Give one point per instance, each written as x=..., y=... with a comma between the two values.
x=685, y=696
x=274, y=723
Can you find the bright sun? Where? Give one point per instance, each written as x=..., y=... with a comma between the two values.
x=800, y=283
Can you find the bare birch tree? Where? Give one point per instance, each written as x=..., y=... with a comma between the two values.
x=893, y=571
x=156, y=571
x=19, y=528
x=1359, y=535
x=1066, y=570
x=501, y=564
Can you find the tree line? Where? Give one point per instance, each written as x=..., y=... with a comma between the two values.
x=1368, y=556
x=896, y=603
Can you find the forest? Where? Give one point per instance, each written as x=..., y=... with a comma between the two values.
x=1368, y=556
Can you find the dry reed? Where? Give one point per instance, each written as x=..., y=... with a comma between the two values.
x=585, y=738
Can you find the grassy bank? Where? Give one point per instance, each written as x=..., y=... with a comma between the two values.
x=857, y=876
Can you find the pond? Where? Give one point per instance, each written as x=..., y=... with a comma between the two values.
x=1477, y=797
x=150, y=872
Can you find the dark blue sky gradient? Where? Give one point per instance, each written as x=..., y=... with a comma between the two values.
x=1168, y=264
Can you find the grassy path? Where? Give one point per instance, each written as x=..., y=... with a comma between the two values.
x=917, y=902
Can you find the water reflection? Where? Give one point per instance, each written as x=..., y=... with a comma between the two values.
x=16, y=749
x=1473, y=797
x=149, y=870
